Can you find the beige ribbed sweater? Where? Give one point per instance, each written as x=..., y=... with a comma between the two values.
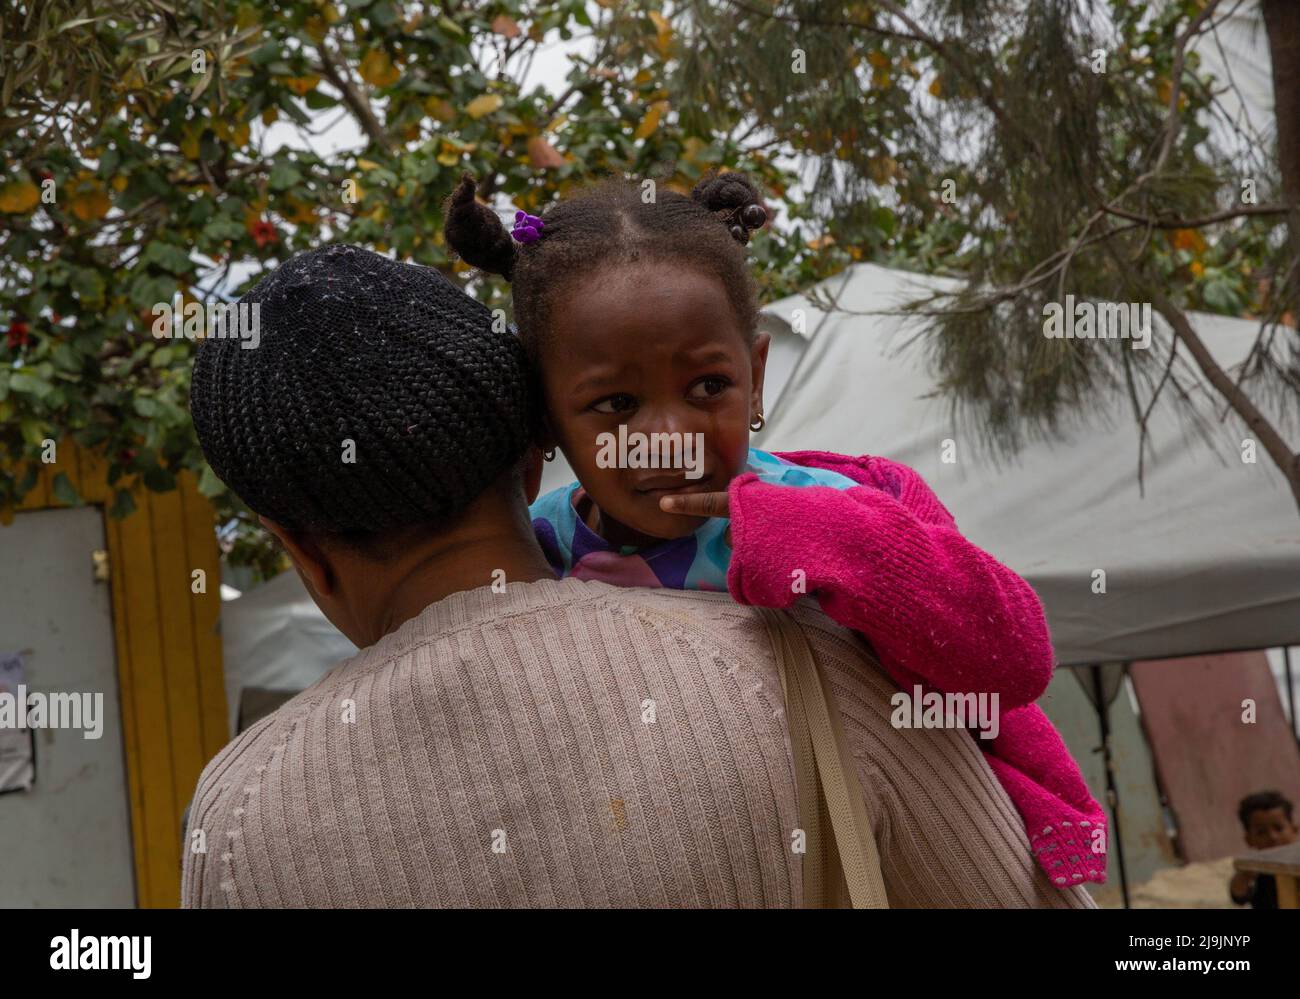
x=574, y=744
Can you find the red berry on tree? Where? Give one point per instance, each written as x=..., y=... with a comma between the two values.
x=263, y=233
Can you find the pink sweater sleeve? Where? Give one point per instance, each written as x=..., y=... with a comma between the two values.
x=886, y=559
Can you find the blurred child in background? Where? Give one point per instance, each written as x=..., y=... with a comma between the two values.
x=1267, y=821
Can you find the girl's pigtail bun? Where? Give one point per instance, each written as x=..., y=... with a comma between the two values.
x=475, y=232
x=734, y=199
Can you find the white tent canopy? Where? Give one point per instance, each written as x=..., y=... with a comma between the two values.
x=1208, y=560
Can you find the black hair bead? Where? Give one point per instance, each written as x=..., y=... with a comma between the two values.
x=753, y=216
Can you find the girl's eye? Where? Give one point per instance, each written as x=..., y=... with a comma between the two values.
x=707, y=388
x=619, y=403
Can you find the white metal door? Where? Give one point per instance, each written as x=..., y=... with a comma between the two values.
x=67, y=840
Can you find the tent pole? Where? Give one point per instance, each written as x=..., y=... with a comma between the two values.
x=1290, y=689
x=1112, y=793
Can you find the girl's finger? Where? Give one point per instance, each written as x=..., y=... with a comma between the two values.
x=695, y=504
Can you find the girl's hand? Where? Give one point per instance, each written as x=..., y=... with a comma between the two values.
x=698, y=505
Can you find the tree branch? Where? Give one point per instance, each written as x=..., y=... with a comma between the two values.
x=1197, y=222
x=1258, y=424
x=353, y=97
x=1176, y=83
x=915, y=33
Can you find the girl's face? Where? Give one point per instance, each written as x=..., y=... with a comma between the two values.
x=657, y=349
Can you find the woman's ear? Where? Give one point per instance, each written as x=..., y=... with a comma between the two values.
x=307, y=556
x=758, y=367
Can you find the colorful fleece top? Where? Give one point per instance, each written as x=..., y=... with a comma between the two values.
x=882, y=556
x=698, y=561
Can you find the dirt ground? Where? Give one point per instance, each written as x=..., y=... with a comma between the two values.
x=1202, y=885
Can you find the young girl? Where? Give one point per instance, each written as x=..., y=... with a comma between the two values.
x=640, y=318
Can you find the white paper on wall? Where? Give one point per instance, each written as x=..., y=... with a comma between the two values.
x=17, y=746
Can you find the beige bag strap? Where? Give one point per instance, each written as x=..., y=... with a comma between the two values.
x=841, y=848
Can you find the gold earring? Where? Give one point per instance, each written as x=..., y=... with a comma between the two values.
x=761, y=423
x=548, y=455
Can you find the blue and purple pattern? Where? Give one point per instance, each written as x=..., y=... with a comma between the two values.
x=698, y=561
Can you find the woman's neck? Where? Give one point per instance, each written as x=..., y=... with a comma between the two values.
x=478, y=553
x=470, y=566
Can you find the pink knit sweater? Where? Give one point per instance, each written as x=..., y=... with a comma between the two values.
x=887, y=560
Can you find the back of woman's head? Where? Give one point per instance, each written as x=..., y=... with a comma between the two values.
x=610, y=224
x=380, y=397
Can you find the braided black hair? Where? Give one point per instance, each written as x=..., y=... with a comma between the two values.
x=392, y=356
x=607, y=224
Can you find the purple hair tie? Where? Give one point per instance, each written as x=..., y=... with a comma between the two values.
x=528, y=228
